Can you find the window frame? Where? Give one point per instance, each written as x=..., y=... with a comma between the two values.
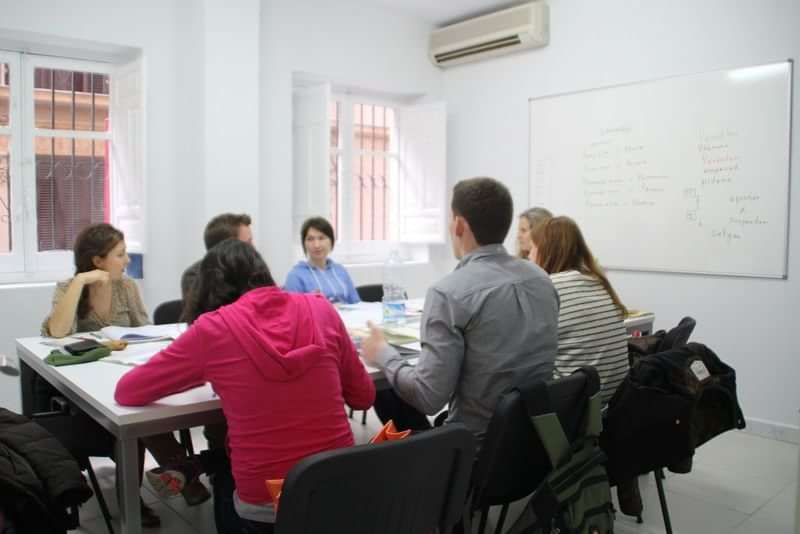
x=27, y=263
x=370, y=251
x=14, y=261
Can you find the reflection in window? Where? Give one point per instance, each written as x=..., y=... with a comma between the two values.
x=70, y=188
x=69, y=100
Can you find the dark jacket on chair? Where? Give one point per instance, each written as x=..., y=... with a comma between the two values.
x=39, y=479
x=666, y=407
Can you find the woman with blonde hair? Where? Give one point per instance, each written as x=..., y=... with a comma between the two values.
x=528, y=220
x=590, y=320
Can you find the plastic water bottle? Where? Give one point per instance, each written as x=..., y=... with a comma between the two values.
x=394, y=297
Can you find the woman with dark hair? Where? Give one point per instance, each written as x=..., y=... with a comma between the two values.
x=528, y=220
x=590, y=319
x=319, y=273
x=101, y=295
x=282, y=364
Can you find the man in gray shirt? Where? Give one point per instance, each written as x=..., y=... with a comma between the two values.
x=488, y=325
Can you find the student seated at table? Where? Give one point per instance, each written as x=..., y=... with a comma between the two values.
x=101, y=295
x=319, y=273
x=527, y=221
x=590, y=320
x=282, y=364
x=488, y=325
x=218, y=229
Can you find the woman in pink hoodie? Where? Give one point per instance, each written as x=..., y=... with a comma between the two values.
x=282, y=364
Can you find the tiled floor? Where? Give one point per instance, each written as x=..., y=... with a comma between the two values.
x=740, y=484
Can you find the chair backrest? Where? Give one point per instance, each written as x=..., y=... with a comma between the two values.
x=168, y=312
x=512, y=461
x=678, y=336
x=412, y=485
x=370, y=292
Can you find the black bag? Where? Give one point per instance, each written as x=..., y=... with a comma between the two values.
x=574, y=497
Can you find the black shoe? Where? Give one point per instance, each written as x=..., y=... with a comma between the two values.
x=195, y=493
x=149, y=517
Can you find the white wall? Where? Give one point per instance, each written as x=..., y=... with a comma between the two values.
x=154, y=27
x=182, y=163
x=750, y=323
x=218, y=116
x=350, y=43
x=23, y=309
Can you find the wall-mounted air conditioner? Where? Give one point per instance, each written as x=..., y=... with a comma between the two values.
x=503, y=32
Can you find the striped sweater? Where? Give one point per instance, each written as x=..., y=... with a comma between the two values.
x=590, y=331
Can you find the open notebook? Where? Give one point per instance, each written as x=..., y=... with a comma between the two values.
x=144, y=334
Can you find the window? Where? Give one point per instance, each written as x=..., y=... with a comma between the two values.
x=71, y=176
x=368, y=185
x=55, y=160
x=375, y=169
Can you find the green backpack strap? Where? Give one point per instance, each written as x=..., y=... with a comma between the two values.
x=545, y=419
x=546, y=423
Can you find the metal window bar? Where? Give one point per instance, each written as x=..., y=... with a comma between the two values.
x=93, y=112
x=361, y=173
x=384, y=229
x=52, y=99
x=90, y=178
x=72, y=114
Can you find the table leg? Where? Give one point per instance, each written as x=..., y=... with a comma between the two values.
x=128, y=483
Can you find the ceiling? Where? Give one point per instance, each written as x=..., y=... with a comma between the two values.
x=442, y=12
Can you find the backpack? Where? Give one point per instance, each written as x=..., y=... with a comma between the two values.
x=574, y=497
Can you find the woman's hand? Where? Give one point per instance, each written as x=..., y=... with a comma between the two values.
x=94, y=277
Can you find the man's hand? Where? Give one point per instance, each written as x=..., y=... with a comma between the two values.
x=371, y=346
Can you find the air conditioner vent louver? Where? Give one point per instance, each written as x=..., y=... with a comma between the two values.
x=483, y=47
x=510, y=30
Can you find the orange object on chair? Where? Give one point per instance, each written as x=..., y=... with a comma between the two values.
x=275, y=487
x=387, y=433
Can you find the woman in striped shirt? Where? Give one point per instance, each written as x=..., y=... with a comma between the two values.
x=590, y=327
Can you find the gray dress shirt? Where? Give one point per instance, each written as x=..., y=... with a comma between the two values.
x=488, y=325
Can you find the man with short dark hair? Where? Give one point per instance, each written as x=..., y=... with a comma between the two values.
x=488, y=325
x=218, y=229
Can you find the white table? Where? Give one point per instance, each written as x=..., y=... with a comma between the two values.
x=642, y=323
x=91, y=388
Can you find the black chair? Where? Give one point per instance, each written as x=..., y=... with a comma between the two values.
x=677, y=337
x=512, y=461
x=412, y=485
x=170, y=312
x=83, y=438
x=370, y=292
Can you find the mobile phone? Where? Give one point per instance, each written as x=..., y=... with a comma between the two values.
x=79, y=347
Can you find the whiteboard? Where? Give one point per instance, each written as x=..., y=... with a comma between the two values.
x=683, y=174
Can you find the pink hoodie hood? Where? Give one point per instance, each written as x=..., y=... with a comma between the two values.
x=290, y=347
